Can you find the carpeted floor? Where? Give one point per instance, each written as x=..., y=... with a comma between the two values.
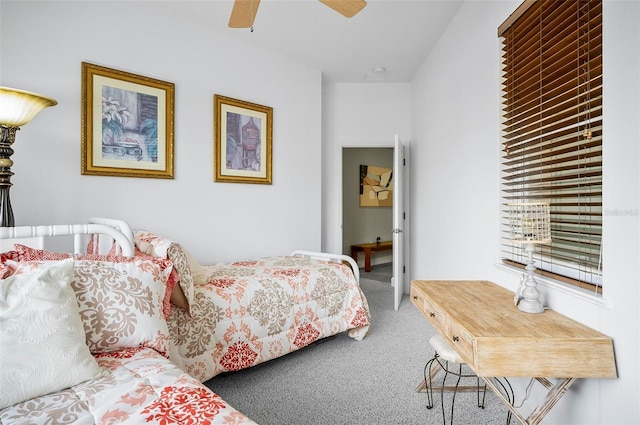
x=379, y=272
x=343, y=381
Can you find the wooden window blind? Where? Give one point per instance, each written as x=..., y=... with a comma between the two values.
x=552, y=131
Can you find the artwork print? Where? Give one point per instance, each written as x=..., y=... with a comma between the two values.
x=127, y=124
x=376, y=186
x=243, y=144
x=242, y=141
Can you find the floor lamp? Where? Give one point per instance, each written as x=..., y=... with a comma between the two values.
x=17, y=108
x=529, y=224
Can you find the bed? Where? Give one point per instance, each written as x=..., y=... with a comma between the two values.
x=82, y=366
x=230, y=316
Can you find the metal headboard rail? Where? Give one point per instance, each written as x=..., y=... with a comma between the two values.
x=120, y=225
x=335, y=258
x=77, y=230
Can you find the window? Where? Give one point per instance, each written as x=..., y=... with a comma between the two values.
x=552, y=131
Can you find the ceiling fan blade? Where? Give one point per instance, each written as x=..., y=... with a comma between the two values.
x=347, y=8
x=243, y=13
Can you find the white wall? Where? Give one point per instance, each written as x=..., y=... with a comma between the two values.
x=356, y=115
x=455, y=195
x=43, y=45
x=359, y=115
x=449, y=114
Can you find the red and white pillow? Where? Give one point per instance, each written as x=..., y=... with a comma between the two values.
x=4, y=256
x=122, y=303
x=25, y=253
x=121, y=299
x=161, y=247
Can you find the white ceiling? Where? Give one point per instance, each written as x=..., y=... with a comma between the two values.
x=396, y=35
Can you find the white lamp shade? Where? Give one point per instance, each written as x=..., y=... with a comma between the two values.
x=530, y=222
x=18, y=107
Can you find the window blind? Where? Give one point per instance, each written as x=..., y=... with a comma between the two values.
x=552, y=131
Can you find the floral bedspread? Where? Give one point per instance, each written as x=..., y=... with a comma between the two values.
x=140, y=387
x=248, y=312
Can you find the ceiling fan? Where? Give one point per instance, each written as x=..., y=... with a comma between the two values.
x=244, y=11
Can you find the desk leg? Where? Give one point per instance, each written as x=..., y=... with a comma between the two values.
x=367, y=260
x=354, y=254
x=553, y=396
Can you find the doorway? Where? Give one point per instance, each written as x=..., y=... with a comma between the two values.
x=365, y=224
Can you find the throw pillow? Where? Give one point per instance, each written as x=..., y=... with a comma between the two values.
x=161, y=247
x=4, y=256
x=42, y=338
x=26, y=253
x=120, y=301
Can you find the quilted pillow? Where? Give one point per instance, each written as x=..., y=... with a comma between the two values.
x=26, y=253
x=42, y=339
x=120, y=301
x=161, y=247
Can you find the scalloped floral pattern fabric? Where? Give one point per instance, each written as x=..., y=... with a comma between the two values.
x=26, y=253
x=141, y=387
x=162, y=247
x=248, y=312
x=120, y=301
x=122, y=304
x=177, y=255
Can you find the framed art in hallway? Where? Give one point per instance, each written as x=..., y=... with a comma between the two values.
x=127, y=124
x=376, y=186
x=242, y=141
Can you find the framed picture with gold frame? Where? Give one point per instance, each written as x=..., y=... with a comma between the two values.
x=127, y=124
x=242, y=141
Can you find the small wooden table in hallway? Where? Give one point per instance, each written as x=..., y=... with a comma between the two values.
x=368, y=248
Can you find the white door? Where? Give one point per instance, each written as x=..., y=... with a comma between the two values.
x=398, y=222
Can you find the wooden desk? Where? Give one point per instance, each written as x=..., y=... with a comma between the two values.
x=480, y=321
x=368, y=248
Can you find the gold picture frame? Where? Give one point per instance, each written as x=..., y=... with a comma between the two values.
x=246, y=129
x=127, y=124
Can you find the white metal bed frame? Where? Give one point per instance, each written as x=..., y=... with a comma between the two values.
x=110, y=230
x=124, y=227
x=34, y=236
x=334, y=258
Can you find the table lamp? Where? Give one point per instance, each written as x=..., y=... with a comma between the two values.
x=17, y=108
x=529, y=224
